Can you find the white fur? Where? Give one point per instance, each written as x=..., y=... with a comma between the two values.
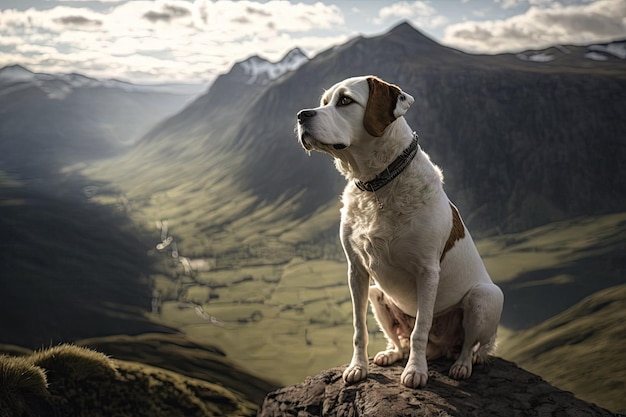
x=401, y=245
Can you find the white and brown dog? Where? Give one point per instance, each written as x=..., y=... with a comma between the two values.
x=432, y=295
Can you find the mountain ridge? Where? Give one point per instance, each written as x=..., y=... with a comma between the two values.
x=59, y=86
x=245, y=131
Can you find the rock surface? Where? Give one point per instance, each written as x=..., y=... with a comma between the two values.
x=499, y=388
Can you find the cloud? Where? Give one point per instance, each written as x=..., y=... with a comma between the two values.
x=77, y=21
x=420, y=13
x=169, y=12
x=540, y=27
x=509, y=4
x=163, y=40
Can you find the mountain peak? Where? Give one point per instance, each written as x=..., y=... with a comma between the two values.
x=407, y=31
x=15, y=73
x=294, y=53
x=403, y=26
x=261, y=71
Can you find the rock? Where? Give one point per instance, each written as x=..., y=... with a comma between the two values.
x=499, y=388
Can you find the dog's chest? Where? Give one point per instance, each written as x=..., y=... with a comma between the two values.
x=380, y=241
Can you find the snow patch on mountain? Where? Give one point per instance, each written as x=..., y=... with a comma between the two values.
x=595, y=56
x=540, y=57
x=617, y=49
x=263, y=71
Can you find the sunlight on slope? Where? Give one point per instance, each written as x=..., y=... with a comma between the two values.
x=506, y=257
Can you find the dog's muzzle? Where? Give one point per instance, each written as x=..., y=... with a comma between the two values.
x=303, y=117
x=305, y=136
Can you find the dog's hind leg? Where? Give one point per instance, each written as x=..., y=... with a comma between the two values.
x=482, y=307
x=395, y=325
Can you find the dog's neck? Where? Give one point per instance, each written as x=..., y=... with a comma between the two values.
x=375, y=156
x=392, y=171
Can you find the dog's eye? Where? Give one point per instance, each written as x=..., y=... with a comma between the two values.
x=344, y=101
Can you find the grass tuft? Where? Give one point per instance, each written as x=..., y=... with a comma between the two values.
x=22, y=384
x=75, y=362
x=69, y=380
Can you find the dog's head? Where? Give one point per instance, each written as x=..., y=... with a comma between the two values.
x=352, y=111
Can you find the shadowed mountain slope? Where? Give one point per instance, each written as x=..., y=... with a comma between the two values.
x=68, y=269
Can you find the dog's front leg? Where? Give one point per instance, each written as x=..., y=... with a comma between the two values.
x=415, y=373
x=359, y=290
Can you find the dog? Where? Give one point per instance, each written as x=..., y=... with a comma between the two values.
x=431, y=294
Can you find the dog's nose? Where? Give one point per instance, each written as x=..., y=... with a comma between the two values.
x=305, y=114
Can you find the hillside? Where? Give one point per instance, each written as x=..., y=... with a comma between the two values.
x=71, y=381
x=179, y=354
x=49, y=121
x=578, y=346
x=522, y=143
x=68, y=269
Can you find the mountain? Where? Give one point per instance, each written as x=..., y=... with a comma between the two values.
x=48, y=121
x=68, y=268
x=522, y=141
x=245, y=251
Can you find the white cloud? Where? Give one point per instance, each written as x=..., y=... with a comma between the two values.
x=163, y=39
x=601, y=21
x=420, y=13
x=509, y=4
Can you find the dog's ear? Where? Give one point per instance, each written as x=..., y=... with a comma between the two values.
x=385, y=104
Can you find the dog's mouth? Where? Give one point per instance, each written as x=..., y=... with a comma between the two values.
x=310, y=143
x=306, y=140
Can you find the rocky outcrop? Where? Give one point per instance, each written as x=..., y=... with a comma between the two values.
x=499, y=388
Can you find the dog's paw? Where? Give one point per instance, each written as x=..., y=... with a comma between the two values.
x=414, y=377
x=461, y=370
x=354, y=373
x=387, y=357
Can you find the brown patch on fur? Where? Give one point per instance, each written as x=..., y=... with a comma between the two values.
x=381, y=103
x=457, y=232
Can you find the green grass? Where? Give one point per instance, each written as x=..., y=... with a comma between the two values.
x=23, y=386
x=511, y=255
x=74, y=381
x=580, y=350
x=298, y=313
x=277, y=285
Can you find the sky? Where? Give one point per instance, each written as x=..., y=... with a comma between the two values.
x=193, y=41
